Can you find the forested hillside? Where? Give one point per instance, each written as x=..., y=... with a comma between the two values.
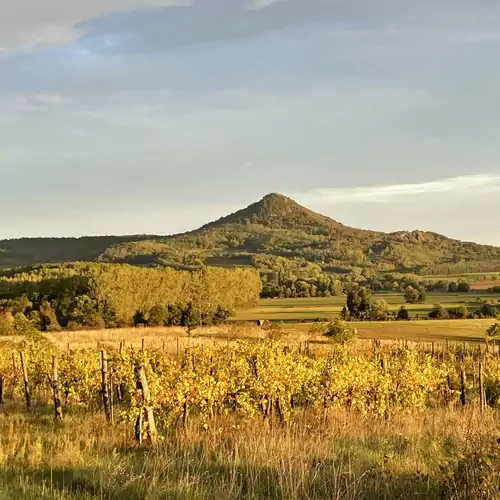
x=286, y=241
x=28, y=251
x=283, y=240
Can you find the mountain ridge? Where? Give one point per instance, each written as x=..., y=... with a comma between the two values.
x=272, y=232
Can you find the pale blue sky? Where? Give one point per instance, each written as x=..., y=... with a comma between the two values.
x=150, y=117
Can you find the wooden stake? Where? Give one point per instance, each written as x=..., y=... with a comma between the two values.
x=143, y=342
x=1, y=389
x=142, y=382
x=104, y=385
x=14, y=378
x=24, y=369
x=58, y=414
x=111, y=397
x=384, y=371
x=463, y=394
x=482, y=395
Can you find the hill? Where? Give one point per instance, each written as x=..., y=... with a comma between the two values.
x=276, y=235
x=28, y=251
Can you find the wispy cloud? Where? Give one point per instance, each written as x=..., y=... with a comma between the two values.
x=30, y=102
x=57, y=22
x=475, y=185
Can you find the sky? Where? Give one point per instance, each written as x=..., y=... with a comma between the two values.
x=156, y=116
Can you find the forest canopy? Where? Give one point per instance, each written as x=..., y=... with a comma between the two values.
x=113, y=295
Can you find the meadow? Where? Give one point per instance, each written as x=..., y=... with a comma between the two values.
x=296, y=316
x=296, y=310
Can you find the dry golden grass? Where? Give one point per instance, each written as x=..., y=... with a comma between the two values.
x=167, y=337
x=440, y=454
x=176, y=338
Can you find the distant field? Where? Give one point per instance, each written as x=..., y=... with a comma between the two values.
x=467, y=276
x=297, y=315
x=469, y=330
x=296, y=310
x=484, y=285
x=477, y=281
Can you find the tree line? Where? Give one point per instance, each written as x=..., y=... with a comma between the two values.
x=117, y=295
x=360, y=307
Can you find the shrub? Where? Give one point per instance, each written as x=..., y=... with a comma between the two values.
x=379, y=310
x=339, y=331
x=488, y=311
x=459, y=313
x=439, y=312
x=23, y=326
x=403, y=314
x=494, y=330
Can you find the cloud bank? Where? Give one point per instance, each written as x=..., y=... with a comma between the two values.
x=472, y=186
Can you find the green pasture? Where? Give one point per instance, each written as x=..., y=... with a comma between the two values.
x=310, y=309
x=298, y=314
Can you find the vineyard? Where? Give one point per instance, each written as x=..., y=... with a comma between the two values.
x=249, y=419
x=253, y=380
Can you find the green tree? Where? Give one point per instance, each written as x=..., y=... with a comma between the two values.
x=358, y=303
x=422, y=295
x=439, y=312
x=415, y=295
x=488, y=311
x=85, y=312
x=403, y=314
x=191, y=318
x=157, y=316
x=461, y=312
x=411, y=295
x=379, y=310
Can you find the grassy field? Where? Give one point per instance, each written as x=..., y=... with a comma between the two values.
x=174, y=340
x=297, y=315
x=294, y=310
x=477, y=281
x=339, y=455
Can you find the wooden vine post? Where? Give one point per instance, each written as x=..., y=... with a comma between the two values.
x=111, y=397
x=383, y=365
x=142, y=384
x=24, y=369
x=1, y=389
x=14, y=378
x=482, y=394
x=104, y=385
x=58, y=414
x=463, y=393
